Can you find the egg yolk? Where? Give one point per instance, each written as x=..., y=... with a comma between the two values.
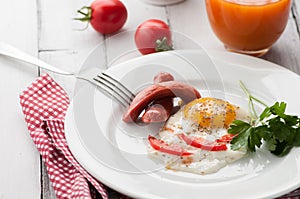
x=210, y=112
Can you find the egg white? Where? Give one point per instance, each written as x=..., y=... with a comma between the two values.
x=202, y=161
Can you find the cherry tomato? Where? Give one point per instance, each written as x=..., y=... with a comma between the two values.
x=161, y=146
x=105, y=16
x=202, y=143
x=153, y=36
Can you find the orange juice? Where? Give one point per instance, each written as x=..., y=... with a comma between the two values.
x=248, y=25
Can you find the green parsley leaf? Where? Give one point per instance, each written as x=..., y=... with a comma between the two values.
x=279, y=131
x=297, y=138
x=271, y=144
x=281, y=149
x=241, y=140
x=291, y=120
x=265, y=114
x=278, y=109
x=263, y=132
x=238, y=126
x=254, y=140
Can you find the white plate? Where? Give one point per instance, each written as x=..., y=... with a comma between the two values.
x=115, y=153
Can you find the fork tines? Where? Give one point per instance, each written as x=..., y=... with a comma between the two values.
x=115, y=89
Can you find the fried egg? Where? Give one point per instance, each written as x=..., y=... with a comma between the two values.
x=205, y=119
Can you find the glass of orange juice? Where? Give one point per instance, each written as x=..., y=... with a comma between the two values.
x=248, y=26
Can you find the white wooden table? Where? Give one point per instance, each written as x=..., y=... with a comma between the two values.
x=45, y=29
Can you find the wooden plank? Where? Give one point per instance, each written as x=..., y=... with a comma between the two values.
x=58, y=30
x=189, y=20
x=286, y=50
x=60, y=34
x=121, y=46
x=296, y=14
x=62, y=40
x=47, y=189
x=19, y=168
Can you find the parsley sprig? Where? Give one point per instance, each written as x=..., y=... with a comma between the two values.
x=279, y=131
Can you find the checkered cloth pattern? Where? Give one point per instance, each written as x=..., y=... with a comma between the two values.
x=44, y=104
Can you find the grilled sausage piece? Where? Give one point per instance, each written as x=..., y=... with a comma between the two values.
x=158, y=91
x=160, y=110
x=163, y=77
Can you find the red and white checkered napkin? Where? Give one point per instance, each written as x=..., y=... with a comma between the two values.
x=44, y=105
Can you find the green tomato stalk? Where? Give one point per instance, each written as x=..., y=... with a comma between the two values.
x=162, y=45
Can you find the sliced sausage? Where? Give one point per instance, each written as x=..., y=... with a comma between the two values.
x=158, y=91
x=160, y=110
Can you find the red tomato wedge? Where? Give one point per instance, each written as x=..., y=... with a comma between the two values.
x=161, y=146
x=202, y=143
x=226, y=138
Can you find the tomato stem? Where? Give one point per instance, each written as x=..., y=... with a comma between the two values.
x=162, y=45
x=86, y=11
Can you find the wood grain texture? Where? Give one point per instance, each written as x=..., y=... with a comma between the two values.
x=19, y=168
x=120, y=47
x=189, y=19
x=286, y=50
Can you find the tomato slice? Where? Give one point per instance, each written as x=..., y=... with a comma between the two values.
x=161, y=146
x=202, y=143
x=226, y=138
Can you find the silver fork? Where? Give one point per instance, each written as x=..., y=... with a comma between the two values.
x=104, y=82
x=113, y=88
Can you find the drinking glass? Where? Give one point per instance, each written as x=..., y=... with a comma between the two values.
x=248, y=26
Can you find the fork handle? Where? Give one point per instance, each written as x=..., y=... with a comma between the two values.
x=10, y=51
